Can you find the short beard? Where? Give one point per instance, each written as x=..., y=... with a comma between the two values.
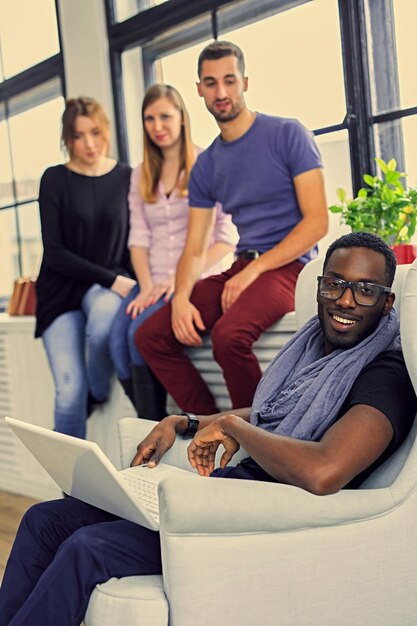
x=225, y=117
x=340, y=342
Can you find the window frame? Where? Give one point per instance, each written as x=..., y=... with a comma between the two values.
x=149, y=27
x=27, y=87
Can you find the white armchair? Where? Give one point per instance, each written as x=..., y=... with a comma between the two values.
x=243, y=553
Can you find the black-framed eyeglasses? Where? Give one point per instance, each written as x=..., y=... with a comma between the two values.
x=364, y=294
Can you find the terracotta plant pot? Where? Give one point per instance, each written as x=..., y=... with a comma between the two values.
x=405, y=253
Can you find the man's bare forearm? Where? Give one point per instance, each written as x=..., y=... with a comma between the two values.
x=180, y=422
x=324, y=466
x=192, y=261
x=301, y=239
x=288, y=460
x=189, y=269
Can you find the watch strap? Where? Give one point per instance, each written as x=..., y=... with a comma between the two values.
x=192, y=425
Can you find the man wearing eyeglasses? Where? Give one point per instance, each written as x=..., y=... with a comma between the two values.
x=337, y=400
x=335, y=403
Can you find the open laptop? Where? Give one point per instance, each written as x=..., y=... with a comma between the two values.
x=82, y=470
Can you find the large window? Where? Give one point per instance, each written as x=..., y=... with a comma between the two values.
x=343, y=67
x=29, y=34
x=31, y=103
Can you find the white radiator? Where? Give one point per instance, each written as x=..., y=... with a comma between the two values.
x=26, y=393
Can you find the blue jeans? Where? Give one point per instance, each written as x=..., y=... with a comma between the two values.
x=122, y=335
x=77, y=347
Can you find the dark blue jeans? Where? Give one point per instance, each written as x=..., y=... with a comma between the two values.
x=63, y=549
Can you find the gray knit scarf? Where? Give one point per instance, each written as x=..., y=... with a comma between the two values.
x=302, y=391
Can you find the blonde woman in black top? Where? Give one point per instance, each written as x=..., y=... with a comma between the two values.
x=85, y=269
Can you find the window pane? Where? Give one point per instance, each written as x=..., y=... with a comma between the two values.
x=407, y=127
x=410, y=149
x=334, y=149
x=6, y=189
x=35, y=138
x=180, y=70
x=405, y=13
x=127, y=8
x=283, y=80
x=392, y=51
x=30, y=237
x=28, y=33
x=8, y=251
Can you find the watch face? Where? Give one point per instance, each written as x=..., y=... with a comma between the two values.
x=193, y=426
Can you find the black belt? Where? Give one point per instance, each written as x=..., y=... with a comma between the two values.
x=248, y=254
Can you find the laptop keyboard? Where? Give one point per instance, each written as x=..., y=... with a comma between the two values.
x=145, y=491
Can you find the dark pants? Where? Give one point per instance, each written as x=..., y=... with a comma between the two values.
x=63, y=549
x=233, y=333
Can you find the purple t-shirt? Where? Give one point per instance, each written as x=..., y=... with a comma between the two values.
x=253, y=179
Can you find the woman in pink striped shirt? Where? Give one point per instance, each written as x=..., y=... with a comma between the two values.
x=158, y=202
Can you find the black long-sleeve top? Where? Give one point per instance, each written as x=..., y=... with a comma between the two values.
x=85, y=224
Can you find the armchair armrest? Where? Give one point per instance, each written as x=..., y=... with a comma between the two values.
x=228, y=506
x=237, y=541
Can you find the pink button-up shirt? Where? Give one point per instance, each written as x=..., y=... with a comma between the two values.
x=161, y=227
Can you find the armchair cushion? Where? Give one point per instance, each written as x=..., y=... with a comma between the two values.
x=124, y=601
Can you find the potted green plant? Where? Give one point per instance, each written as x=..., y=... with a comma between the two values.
x=384, y=207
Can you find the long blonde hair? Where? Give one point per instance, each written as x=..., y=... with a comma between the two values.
x=152, y=155
x=88, y=107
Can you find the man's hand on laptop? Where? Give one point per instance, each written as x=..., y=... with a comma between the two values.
x=159, y=441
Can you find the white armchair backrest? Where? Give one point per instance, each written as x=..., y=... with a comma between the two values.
x=401, y=467
x=306, y=289
x=408, y=322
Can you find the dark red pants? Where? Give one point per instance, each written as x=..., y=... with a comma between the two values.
x=233, y=333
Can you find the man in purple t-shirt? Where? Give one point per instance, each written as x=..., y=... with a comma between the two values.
x=267, y=173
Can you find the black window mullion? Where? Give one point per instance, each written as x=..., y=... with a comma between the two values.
x=30, y=78
x=385, y=79
x=357, y=89
x=148, y=24
x=389, y=116
x=119, y=105
x=61, y=48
